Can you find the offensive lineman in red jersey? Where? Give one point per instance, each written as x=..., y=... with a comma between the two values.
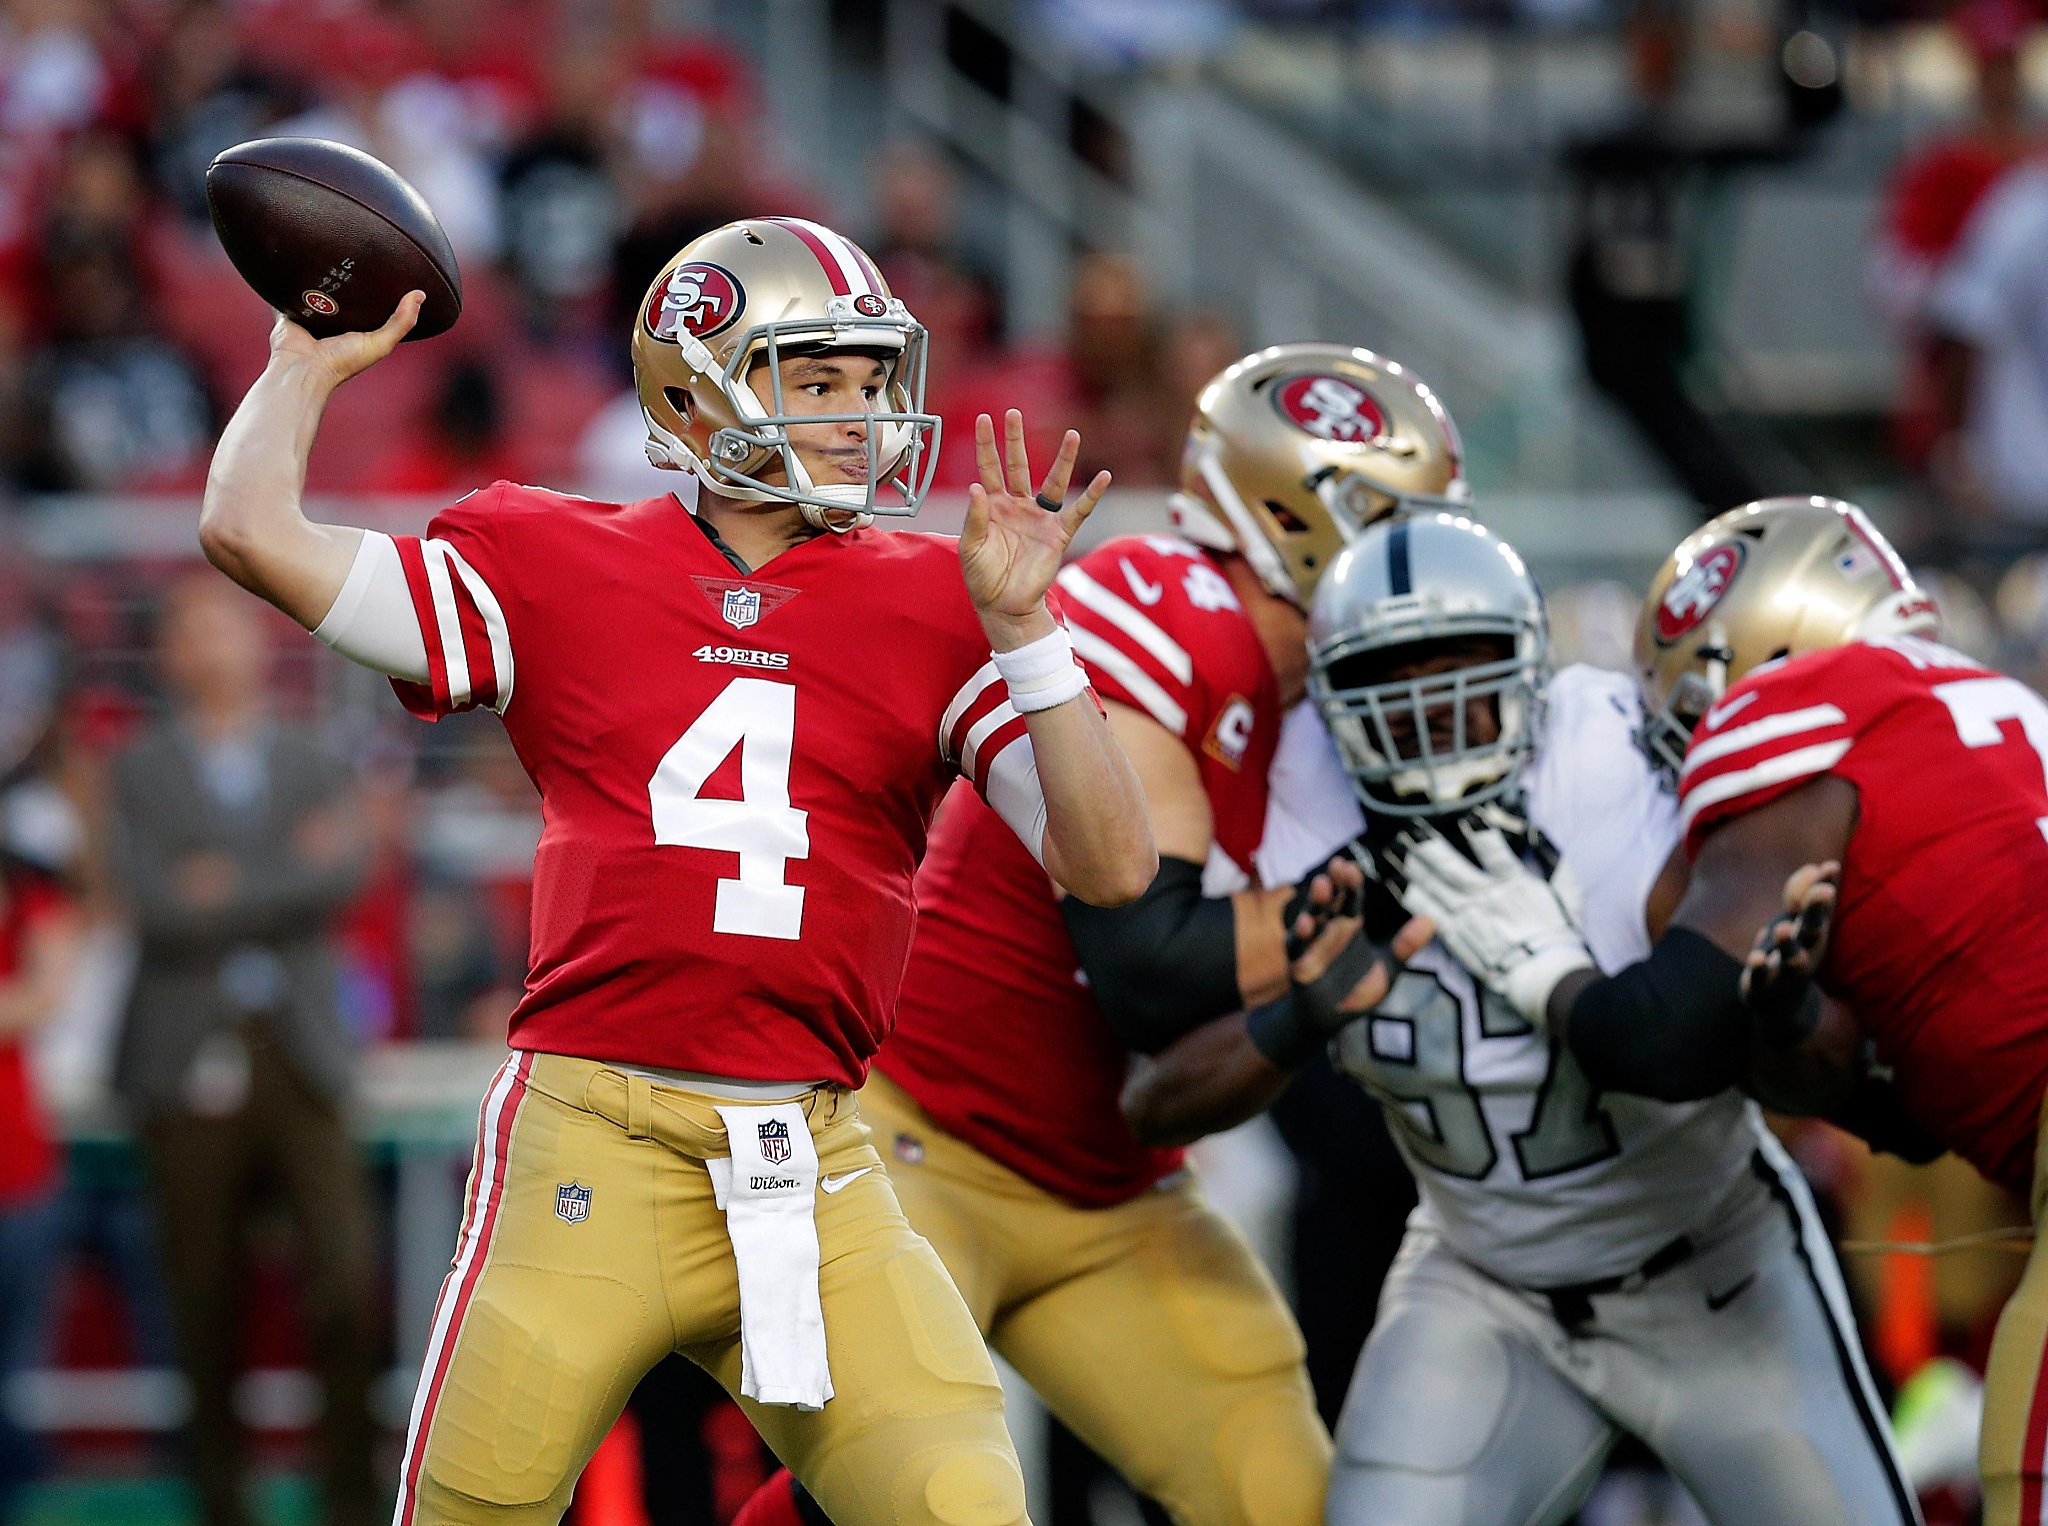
x=1915, y=777
x=741, y=721
x=1092, y=1262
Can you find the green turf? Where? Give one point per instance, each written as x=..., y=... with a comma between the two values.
x=281, y=1500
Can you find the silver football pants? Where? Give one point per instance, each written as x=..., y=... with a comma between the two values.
x=1740, y=1368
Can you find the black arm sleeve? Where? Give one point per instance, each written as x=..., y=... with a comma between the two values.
x=1874, y=1113
x=1672, y=1026
x=1162, y=965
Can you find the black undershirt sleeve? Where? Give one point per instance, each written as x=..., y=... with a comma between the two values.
x=1162, y=965
x=1672, y=1026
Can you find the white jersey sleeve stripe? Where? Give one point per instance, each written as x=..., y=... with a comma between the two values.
x=980, y=732
x=1127, y=618
x=963, y=701
x=1770, y=729
x=1098, y=653
x=1013, y=789
x=1786, y=766
x=448, y=620
x=494, y=626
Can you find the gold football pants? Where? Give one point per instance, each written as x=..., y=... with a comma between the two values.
x=592, y=1248
x=1149, y=1328
x=2012, y=1450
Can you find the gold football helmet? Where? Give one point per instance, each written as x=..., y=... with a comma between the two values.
x=1295, y=449
x=718, y=322
x=1775, y=578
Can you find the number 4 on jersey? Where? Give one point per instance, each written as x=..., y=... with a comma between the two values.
x=757, y=715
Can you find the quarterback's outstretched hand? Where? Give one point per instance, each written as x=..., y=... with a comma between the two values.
x=1789, y=950
x=1503, y=922
x=1012, y=545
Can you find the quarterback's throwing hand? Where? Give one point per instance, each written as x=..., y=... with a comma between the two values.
x=342, y=356
x=1015, y=538
x=1500, y=920
x=1789, y=950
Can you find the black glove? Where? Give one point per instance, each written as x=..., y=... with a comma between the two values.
x=1783, y=999
x=1290, y=1030
x=1345, y=903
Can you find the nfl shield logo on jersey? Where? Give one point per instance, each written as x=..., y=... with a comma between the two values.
x=572, y=1202
x=774, y=1141
x=742, y=607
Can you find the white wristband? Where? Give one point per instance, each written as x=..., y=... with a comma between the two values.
x=1041, y=673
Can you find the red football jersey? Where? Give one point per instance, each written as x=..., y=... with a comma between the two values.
x=737, y=772
x=997, y=1036
x=1940, y=942
x=28, y=1156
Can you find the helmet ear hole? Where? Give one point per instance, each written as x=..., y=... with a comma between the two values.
x=678, y=399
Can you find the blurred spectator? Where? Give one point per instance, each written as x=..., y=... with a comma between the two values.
x=611, y=462
x=1108, y=380
x=236, y=849
x=53, y=78
x=476, y=837
x=206, y=95
x=1967, y=623
x=1990, y=306
x=109, y=402
x=1632, y=272
x=917, y=240
x=562, y=206
x=463, y=446
x=40, y=941
x=28, y=660
x=1930, y=201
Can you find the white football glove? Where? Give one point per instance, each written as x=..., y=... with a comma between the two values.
x=1508, y=926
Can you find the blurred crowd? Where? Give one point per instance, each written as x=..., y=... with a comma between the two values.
x=567, y=149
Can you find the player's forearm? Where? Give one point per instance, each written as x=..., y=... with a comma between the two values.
x=1212, y=1080
x=1098, y=840
x=251, y=525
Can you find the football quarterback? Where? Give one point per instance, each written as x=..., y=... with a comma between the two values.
x=741, y=716
x=1092, y=1262
x=1893, y=789
x=1583, y=1265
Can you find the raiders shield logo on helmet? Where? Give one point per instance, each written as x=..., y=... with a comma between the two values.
x=1330, y=408
x=774, y=1141
x=698, y=299
x=1694, y=593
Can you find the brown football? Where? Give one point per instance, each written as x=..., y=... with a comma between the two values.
x=329, y=236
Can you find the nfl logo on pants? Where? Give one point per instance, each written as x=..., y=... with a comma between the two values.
x=572, y=1202
x=775, y=1141
x=742, y=607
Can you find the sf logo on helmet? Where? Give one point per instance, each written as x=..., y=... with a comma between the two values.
x=1330, y=408
x=697, y=299
x=1694, y=592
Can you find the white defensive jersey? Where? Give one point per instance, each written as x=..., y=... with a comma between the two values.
x=1525, y=1170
